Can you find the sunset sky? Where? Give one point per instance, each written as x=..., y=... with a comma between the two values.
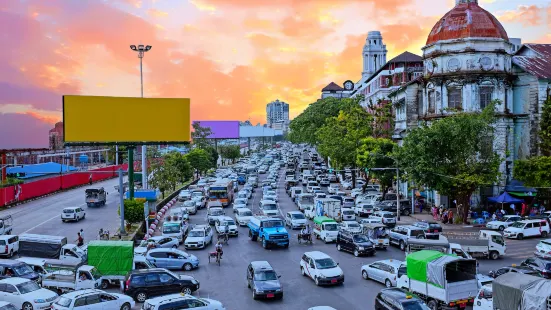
x=230, y=57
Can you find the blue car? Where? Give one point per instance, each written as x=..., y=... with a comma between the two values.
x=172, y=259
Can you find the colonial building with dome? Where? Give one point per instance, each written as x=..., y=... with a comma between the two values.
x=470, y=61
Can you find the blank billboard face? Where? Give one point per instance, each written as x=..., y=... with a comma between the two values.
x=125, y=120
x=221, y=129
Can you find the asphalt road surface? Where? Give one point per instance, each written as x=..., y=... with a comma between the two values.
x=43, y=216
x=226, y=283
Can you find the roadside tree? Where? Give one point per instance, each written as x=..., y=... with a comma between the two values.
x=378, y=153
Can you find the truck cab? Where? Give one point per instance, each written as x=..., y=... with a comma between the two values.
x=72, y=278
x=96, y=196
x=269, y=230
x=6, y=224
x=325, y=228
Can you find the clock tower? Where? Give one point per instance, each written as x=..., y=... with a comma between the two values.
x=374, y=54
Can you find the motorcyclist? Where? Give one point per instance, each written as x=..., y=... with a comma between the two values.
x=305, y=232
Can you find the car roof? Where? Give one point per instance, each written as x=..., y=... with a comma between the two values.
x=391, y=262
x=149, y=270
x=398, y=294
x=225, y=217
x=10, y=262
x=14, y=280
x=79, y=293
x=163, y=250
x=317, y=255
x=243, y=209
x=261, y=264
x=164, y=299
x=70, y=208
x=294, y=212
x=199, y=227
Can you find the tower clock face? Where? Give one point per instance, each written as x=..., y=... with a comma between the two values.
x=348, y=85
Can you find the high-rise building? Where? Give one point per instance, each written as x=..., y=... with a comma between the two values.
x=277, y=112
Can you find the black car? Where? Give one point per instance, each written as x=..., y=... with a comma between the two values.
x=543, y=266
x=390, y=206
x=14, y=268
x=517, y=269
x=396, y=298
x=432, y=229
x=358, y=244
x=263, y=280
x=143, y=283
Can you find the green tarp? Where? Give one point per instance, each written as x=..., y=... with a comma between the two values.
x=111, y=257
x=417, y=264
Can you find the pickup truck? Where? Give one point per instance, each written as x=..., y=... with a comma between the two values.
x=441, y=245
x=442, y=281
x=76, y=277
x=485, y=243
x=6, y=225
x=51, y=247
x=268, y=230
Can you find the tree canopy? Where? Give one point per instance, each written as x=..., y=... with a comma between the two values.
x=200, y=136
x=378, y=153
x=452, y=155
x=199, y=160
x=230, y=152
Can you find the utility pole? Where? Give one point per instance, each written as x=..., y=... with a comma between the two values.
x=141, y=49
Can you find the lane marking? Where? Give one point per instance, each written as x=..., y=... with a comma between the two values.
x=46, y=221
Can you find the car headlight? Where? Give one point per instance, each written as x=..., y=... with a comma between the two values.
x=322, y=276
x=278, y=290
x=39, y=301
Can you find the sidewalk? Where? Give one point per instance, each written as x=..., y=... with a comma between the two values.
x=428, y=218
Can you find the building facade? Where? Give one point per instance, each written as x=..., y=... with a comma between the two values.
x=469, y=61
x=56, y=137
x=277, y=112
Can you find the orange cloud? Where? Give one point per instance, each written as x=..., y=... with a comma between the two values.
x=156, y=13
x=46, y=119
x=526, y=15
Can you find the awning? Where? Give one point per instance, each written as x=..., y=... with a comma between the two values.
x=523, y=194
x=517, y=186
x=505, y=198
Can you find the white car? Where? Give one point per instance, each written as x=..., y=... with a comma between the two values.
x=159, y=241
x=199, y=237
x=9, y=245
x=200, y=202
x=242, y=195
x=184, y=195
x=26, y=294
x=504, y=223
x=527, y=228
x=269, y=208
x=7, y=306
x=191, y=207
x=72, y=214
x=321, y=268
x=543, y=249
x=270, y=195
x=347, y=214
x=384, y=271
x=356, y=192
x=93, y=300
x=351, y=226
x=484, y=299
x=387, y=218
x=226, y=222
x=242, y=216
x=239, y=203
x=214, y=213
x=175, y=301
x=346, y=185
x=295, y=219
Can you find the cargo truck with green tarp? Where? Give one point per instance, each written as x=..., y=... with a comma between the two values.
x=443, y=281
x=114, y=259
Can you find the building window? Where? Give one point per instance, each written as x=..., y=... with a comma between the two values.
x=432, y=102
x=455, y=100
x=485, y=96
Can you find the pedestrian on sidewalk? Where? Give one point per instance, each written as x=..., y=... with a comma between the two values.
x=450, y=217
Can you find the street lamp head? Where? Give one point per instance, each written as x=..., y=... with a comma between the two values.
x=147, y=48
x=133, y=47
x=141, y=47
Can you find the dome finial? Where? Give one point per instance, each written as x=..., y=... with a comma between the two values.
x=458, y=2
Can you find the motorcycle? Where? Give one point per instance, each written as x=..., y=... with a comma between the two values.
x=307, y=238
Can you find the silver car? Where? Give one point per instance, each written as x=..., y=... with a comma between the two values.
x=384, y=271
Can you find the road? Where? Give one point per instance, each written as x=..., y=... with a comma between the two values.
x=226, y=283
x=43, y=216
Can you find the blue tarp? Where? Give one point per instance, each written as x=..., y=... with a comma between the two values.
x=518, y=186
x=33, y=171
x=505, y=198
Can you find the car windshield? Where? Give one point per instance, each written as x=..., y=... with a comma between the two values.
x=241, y=201
x=518, y=225
x=216, y=212
x=367, y=207
x=353, y=225
x=435, y=226
x=246, y=213
x=297, y=216
x=414, y=305
x=269, y=207
x=325, y=263
x=171, y=229
x=63, y=301
x=331, y=227
x=360, y=238
x=416, y=233
x=307, y=199
x=196, y=233
x=27, y=287
x=271, y=224
x=269, y=275
x=388, y=215
x=22, y=270
x=347, y=212
x=227, y=223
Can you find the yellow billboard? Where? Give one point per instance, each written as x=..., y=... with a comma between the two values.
x=125, y=120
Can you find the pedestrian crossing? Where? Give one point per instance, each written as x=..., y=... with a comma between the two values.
x=521, y=249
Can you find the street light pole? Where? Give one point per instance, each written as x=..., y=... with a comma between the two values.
x=141, y=49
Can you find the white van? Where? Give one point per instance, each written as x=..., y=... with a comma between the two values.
x=9, y=245
x=484, y=299
x=527, y=228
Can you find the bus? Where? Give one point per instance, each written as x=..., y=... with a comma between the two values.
x=222, y=191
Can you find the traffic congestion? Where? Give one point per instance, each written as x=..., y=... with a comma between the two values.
x=277, y=229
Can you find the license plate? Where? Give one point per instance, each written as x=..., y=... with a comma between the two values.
x=380, y=241
x=334, y=281
x=270, y=295
x=462, y=305
x=436, y=231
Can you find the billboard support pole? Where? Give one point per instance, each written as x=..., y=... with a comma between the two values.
x=121, y=194
x=131, y=172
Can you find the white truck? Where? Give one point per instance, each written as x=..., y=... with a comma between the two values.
x=441, y=245
x=331, y=208
x=73, y=278
x=304, y=201
x=485, y=243
x=6, y=224
x=50, y=247
x=442, y=281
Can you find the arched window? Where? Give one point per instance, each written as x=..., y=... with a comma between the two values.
x=455, y=98
x=485, y=96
